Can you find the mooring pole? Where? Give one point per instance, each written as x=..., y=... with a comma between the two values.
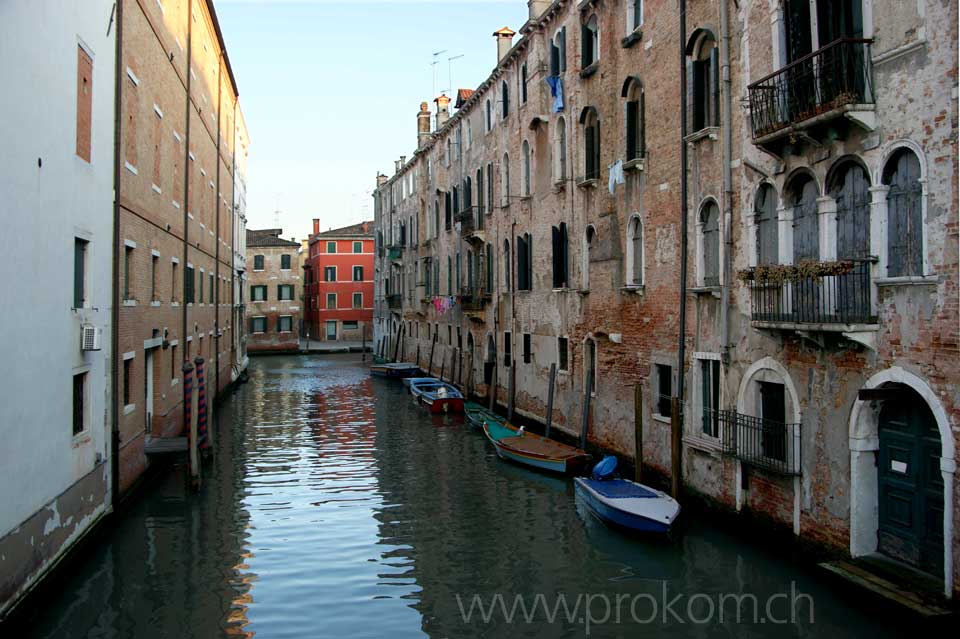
x=553, y=377
x=511, y=382
x=638, y=432
x=675, y=447
x=194, y=437
x=430, y=364
x=443, y=363
x=363, y=342
x=418, y=354
x=458, y=375
x=492, y=391
x=396, y=347
x=586, y=411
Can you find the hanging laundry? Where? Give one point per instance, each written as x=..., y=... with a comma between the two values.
x=556, y=92
x=616, y=175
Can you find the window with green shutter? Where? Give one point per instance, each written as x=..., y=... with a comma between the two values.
x=79, y=272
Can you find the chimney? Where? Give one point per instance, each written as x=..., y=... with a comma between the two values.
x=537, y=7
x=423, y=125
x=316, y=226
x=443, y=111
x=403, y=160
x=396, y=166
x=504, y=42
x=364, y=227
x=381, y=180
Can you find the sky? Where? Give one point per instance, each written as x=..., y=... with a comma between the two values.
x=331, y=90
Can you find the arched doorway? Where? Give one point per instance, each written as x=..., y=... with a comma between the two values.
x=910, y=526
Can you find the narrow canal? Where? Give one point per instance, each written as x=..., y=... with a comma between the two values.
x=338, y=508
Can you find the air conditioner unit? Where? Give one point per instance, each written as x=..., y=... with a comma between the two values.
x=91, y=338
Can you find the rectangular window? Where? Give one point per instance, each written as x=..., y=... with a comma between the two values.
x=173, y=281
x=329, y=273
x=258, y=262
x=664, y=389
x=331, y=247
x=189, y=285
x=285, y=262
x=79, y=272
x=210, y=292
x=562, y=357
x=258, y=325
x=357, y=273
x=351, y=325
x=523, y=84
x=526, y=348
x=127, y=382
x=154, y=264
x=79, y=392
x=258, y=293
x=710, y=396
x=358, y=247
x=507, y=350
x=84, y=102
x=285, y=292
x=284, y=324
x=358, y=300
x=127, y=273
x=200, y=292
x=331, y=300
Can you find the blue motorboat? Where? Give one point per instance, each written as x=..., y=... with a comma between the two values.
x=625, y=503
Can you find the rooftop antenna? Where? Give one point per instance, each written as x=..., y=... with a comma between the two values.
x=434, y=65
x=450, y=70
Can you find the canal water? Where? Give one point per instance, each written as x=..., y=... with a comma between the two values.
x=338, y=508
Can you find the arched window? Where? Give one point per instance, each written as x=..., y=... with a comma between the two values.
x=436, y=217
x=456, y=200
x=703, y=77
x=636, y=122
x=561, y=256
x=488, y=281
x=467, y=193
x=634, y=15
x=635, y=252
x=507, y=283
x=591, y=149
x=526, y=168
x=488, y=120
x=768, y=234
x=590, y=42
x=524, y=262
x=710, y=239
x=589, y=236
x=558, y=52
x=850, y=187
x=481, y=203
x=490, y=187
x=802, y=196
x=904, y=214
x=560, y=151
x=447, y=211
x=505, y=99
x=505, y=181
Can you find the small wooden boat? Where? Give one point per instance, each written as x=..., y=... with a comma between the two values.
x=409, y=381
x=534, y=450
x=418, y=385
x=626, y=503
x=441, y=398
x=477, y=414
x=397, y=370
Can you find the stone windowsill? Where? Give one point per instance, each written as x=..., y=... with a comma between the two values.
x=155, y=303
x=129, y=302
x=705, y=290
x=662, y=419
x=907, y=280
x=636, y=164
x=636, y=289
x=588, y=183
x=590, y=69
x=632, y=39
x=129, y=408
x=710, y=132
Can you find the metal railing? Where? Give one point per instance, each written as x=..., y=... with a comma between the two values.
x=831, y=299
x=764, y=443
x=474, y=300
x=836, y=75
x=394, y=300
x=467, y=218
x=394, y=252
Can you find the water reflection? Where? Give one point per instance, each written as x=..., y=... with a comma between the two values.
x=337, y=507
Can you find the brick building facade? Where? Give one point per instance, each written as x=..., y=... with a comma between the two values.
x=178, y=106
x=274, y=289
x=338, y=288
x=777, y=253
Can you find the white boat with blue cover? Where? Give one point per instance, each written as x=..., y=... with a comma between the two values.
x=409, y=381
x=626, y=503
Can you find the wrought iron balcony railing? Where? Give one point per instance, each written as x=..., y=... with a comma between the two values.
x=764, y=443
x=395, y=252
x=832, y=77
x=474, y=300
x=841, y=300
x=394, y=300
x=468, y=220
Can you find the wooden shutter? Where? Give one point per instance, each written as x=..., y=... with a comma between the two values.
x=632, y=123
x=528, y=245
x=643, y=124
x=563, y=50
x=596, y=149
x=691, y=97
x=79, y=248
x=521, y=264
x=715, y=87
x=588, y=155
x=565, y=255
x=554, y=59
x=555, y=235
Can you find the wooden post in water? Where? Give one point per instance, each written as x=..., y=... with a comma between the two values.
x=459, y=374
x=675, y=447
x=418, y=354
x=638, y=433
x=511, y=382
x=194, y=437
x=430, y=363
x=492, y=390
x=396, y=347
x=553, y=377
x=363, y=342
x=443, y=363
x=586, y=411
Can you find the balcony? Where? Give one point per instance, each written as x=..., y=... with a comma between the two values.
x=762, y=443
x=395, y=252
x=394, y=301
x=474, y=301
x=470, y=223
x=813, y=296
x=809, y=98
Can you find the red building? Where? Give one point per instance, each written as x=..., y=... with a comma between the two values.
x=338, y=283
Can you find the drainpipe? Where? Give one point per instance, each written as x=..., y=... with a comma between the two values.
x=115, y=302
x=186, y=208
x=727, y=152
x=681, y=345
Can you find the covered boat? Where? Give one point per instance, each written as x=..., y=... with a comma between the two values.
x=397, y=370
x=532, y=450
x=625, y=503
x=441, y=397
